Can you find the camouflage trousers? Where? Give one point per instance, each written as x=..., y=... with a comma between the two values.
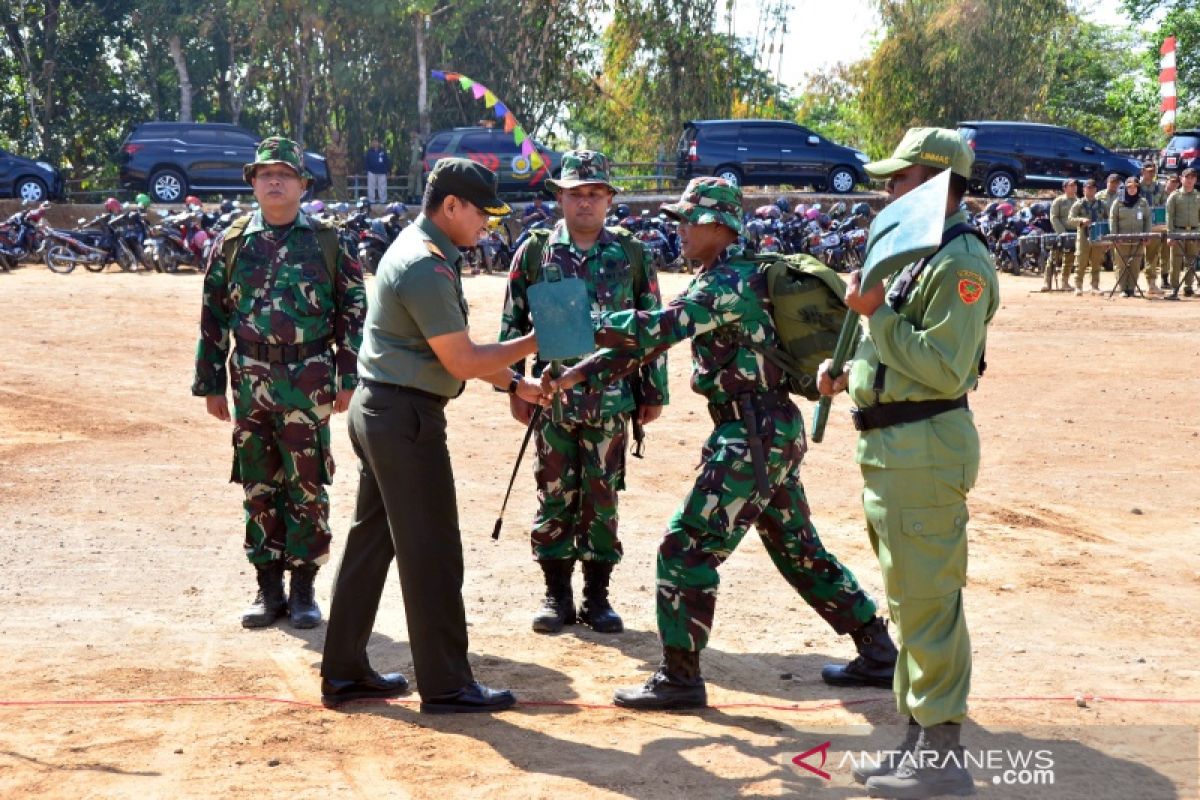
x=282, y=458
x=579, y=469
x=714, y=517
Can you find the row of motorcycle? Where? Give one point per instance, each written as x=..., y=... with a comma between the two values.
x=136, y=237
x=1021, y=240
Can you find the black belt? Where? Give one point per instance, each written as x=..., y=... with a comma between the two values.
x=281, y=353
x=395, y=387
x=763, y=401
x=885, y=415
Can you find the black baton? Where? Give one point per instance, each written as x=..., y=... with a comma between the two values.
x=537, y=413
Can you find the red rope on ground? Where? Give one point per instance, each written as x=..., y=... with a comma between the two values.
x=250, y=698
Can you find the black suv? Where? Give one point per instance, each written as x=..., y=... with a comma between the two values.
x=1181, y=152
x=762, y=151
x=1011, y=155
x=27, y=180
x=170, y=160
x=497, y=151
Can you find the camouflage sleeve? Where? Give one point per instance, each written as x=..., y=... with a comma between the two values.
x=212, y=350
x=514, y=319
x=713, y=299
x=351, y=313
x=653, y=386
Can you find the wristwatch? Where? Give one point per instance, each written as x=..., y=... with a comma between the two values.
x=513, y=383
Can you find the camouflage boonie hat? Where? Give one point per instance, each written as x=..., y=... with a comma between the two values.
x=277, y=150
x=583, y=167
x=708, y=200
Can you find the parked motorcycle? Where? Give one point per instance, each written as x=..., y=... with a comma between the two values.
x=21, y=236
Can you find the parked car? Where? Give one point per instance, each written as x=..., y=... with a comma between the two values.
x=170, y=160
x=497, y=151
x=1181, y=152
x=761, y=152
x=27, y=180
x=1012, y=155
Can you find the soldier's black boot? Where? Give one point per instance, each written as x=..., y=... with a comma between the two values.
x=558, y=607
x=269, y=604
x=934, y=768
x=876, y=662
x=596, y=612
x=302, y=600
x=888, y=759
x=676, y=684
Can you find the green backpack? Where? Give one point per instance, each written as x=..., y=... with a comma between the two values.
x=809, y=308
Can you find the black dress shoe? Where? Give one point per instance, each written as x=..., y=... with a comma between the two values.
x=373, y=686
x=473, y=698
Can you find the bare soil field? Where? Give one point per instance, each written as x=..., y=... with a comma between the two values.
x=128, y=675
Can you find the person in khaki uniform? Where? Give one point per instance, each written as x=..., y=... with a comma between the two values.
x=1156, y=196
x=1060, y=218
x=1131, y=214
x=1109, y=194
x=1089, y=255
x=1183, y=216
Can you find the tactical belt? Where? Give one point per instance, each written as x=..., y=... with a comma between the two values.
x=281, y=353
x=395, y=387
x=885, y=415
x=763, y=402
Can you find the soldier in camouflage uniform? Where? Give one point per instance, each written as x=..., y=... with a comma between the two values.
x=726, y=312
x=292, y=296
x=580, y=463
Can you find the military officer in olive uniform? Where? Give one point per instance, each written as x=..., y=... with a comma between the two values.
x=920, y=354
x=1183, y=216
x=1060, y=218
x=280, y=290
x=1089, y=255
x=416, y=354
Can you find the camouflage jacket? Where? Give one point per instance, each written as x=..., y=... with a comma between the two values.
x=281, y=295
x=611, y=289
x=723, y=307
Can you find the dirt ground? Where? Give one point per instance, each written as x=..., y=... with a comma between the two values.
x=129, y=676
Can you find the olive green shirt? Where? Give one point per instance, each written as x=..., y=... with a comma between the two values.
x=1129, y=219
x=1155, y=194
x=1060, y=214
x=417, y=295
x=931, y=346
x=1104, y=197
x=1183, y=210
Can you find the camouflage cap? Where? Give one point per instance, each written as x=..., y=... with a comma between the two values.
x=583, y=167
x=277, y=150
x=708, y=200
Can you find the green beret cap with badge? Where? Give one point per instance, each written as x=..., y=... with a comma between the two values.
x=940, y=148
x=277, y=150
x=473, y=182
x=583, y=168
x=708, y=200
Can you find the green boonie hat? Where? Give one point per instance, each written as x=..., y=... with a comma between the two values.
x=940, y=148
x=583, y=167
x=471, y=181
x=277, y=150
x=708, y=200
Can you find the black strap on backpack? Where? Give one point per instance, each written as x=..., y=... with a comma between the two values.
x=906, y=283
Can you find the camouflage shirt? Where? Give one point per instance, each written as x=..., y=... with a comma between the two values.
x=281, y=294
x=723, y=307
x=610, y=287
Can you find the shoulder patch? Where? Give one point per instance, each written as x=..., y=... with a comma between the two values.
x=970, y=288
x=434, y=250
x=442, y=269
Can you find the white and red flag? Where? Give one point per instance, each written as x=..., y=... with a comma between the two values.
x=1166, y=83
